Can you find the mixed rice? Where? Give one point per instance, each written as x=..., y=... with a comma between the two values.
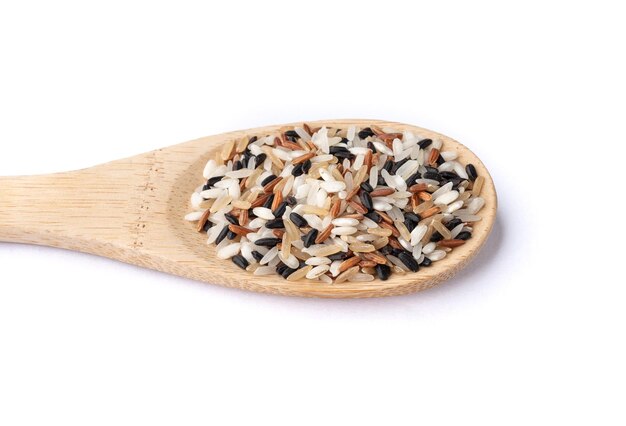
x=335, y=205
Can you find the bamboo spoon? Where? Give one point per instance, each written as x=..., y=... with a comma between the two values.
x=132, y=210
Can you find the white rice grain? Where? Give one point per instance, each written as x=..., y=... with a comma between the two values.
x=358, y=150
x=444, y=189
x=437, y=255
x=344, y=230
x=314, y=221
x=208, y=194
x=381, y=205
x=397, y=148
x=382, y=148
x=351, y=133
x=454, y=206
x=239, y=174
x=460, y=170
x=429, y=248
x=257, y=223
x=193, y=216
x=417, y=251
x=316, y=261
x=196, y=200
x=447, y=197
x=302, y=133
x=291, y=260
x=475, y=205
x=345, y=222
x=269, y=256
x=214, y=232
x=264, y=270
x=317, y=271
x=407, y=169
x=334, y=186
x=373, y=180
x=456, y=231
x=228, y=251
x=448, y=166
x=263, y=213
x=325, y=279
x=448, y=155
x=334, y=268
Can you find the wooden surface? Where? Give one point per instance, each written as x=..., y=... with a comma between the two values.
x=132, y=210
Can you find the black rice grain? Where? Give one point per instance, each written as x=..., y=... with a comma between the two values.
x=337, y=148
x=436, y=237
x=408, y=259
x=298, y=170
x=257, y=256
x=213, y=181
x=222, y=235
x=288, y=271
x=268, y=180
x=309, y=238
x=280, y=210
x=232, y=219
x=411, y=179
x=465, y=235
x=259, y=160
x=365, y=186
x=383, y=272
x=298, y=220
x=454, y=223
x=425, y=143
x=280, y=268
x=275, y=224
x=432, y=175
x=471, y=172
x=374, y=216
x=338, y=256
x=448, y=175
x=268, y=202
x=365, y=133
x=413, y=217
x=240, y=261
x=366, y=199
x=267, y=242
x=386, y=250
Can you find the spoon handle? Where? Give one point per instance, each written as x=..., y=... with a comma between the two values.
x=74, y=210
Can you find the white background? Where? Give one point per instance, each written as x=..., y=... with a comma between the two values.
x=531, y=333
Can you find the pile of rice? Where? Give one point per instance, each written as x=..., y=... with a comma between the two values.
x=335, y=205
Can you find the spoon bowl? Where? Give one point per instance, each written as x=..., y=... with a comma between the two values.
x=132, y=210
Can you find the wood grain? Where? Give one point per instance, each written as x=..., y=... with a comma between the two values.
x=132, y=210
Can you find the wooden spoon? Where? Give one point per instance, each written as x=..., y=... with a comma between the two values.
x=132, y=210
